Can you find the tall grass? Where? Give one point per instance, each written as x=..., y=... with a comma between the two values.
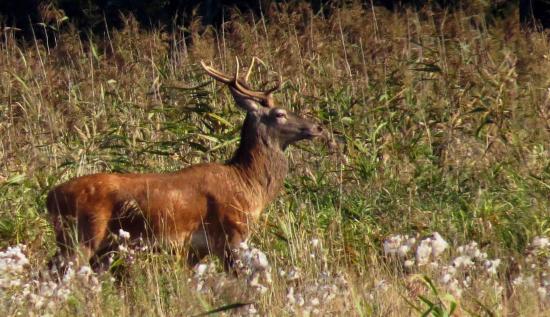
x=442, y=121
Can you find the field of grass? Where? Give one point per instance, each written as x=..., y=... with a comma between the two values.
x=442, y=121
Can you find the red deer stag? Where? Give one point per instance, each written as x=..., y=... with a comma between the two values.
x=209, y=206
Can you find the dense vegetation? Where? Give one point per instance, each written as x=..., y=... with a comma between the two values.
x=443, y=125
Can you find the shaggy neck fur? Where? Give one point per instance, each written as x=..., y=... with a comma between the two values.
x=260, y=159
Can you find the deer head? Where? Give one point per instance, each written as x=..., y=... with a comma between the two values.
x=270, y=124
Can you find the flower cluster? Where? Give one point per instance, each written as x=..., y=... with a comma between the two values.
x=325, y=293
x=127, y=248
x=457, y=274
x=399, y=245
x=430, y=249
x=252, y=263
x=38, y=290
x=470, y=261
x=13, y=263
x=249, y=263
x=538, y=263
x=403, y=246
x=202, y=273
x=46, y=293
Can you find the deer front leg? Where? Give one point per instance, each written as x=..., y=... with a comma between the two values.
x=229, y=250
x=221, y=240
x=200, y=247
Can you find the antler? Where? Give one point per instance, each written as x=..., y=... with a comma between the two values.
x=240, y=86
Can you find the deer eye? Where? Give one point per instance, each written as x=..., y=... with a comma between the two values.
x=280, y=115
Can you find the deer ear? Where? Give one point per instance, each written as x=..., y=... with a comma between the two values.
x=244, y=102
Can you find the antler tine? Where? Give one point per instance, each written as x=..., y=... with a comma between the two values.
x=276, y=87
x=250, y=69
x=217, y=74
x=236, y=69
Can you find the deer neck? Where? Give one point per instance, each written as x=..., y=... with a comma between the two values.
x=260, y=162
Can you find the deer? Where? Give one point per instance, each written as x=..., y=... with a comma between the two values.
x=207, y=208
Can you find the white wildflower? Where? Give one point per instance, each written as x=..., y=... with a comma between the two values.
x=293, y=274
x=423, y=252
x=262, y=289
x=38, y=301
x=111, y=259
x=85, y=271
x=467, y=281
x=439, y=245
x=455, y=289
x=252, y=309
x=200, y=285
x=14, y=283
x=381, y=285
x=541, y=242
x=463, y=261
x=542, y=292
x=399, y=245
x=491, y=266
x=449, y=269
x=315, y=243
x=290, y=296
x=403, y=250
x=69, y=273
x=301, y=301
x=123, y=234
x=518, y=280
x=201, y=269
x=13, y=261
x=259, y=260
x=472, y=250
x=392, y=244
x=243, y=246
x=530, y=281
x=432, y=246
x=446, y=278
x=410, y=241
x=252, y=263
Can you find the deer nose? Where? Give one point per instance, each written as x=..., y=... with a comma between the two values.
x=319, y=128
x=315, y=130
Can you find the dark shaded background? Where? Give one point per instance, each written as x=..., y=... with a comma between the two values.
x=94, y=15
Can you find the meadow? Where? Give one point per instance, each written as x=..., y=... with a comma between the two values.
x=435, y=202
